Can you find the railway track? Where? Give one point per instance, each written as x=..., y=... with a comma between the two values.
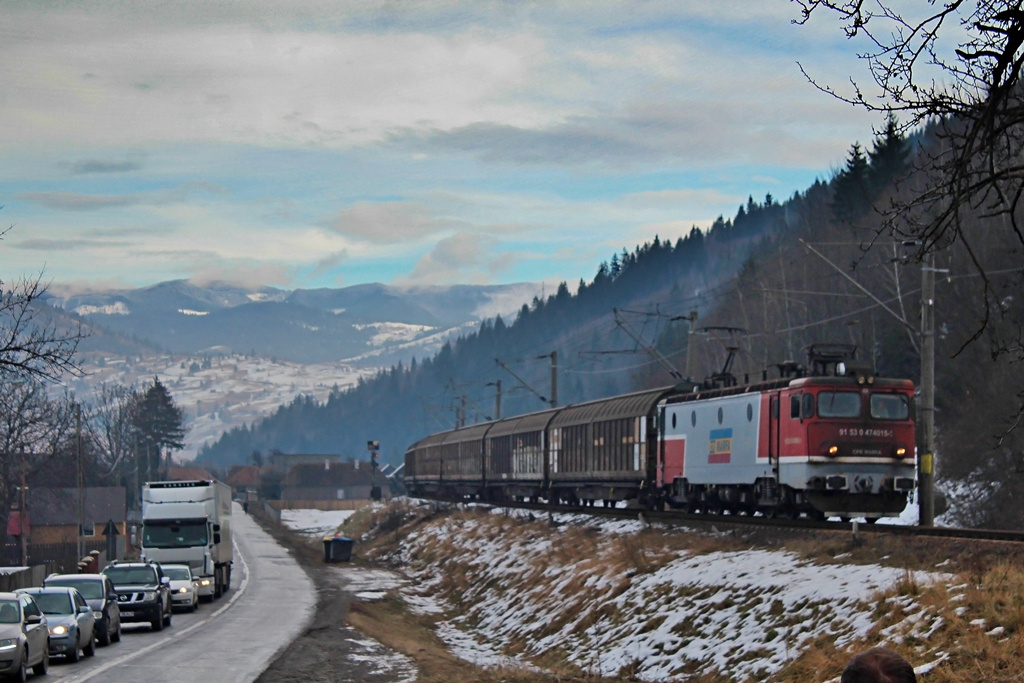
x=677, y=518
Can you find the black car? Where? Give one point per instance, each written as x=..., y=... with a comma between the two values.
x=98, y=591
x=143, y=592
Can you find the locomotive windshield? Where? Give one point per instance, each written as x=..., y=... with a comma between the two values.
x=838, y=404
x=889, y=407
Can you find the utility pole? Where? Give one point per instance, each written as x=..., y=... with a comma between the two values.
x=692, y=319
x=23, y=512
x=80, y=479
x=554, y=379
x=497, y=397
x=925, y=455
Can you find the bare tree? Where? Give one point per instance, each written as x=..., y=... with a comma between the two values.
x=33, y=343
x=30, y=424
x=955, y=66
x=112, y=414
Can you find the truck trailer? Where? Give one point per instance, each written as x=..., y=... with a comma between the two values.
x=189, y=522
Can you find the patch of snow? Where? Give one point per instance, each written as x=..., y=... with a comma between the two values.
x=110, y=309
x=388, y=333
x=315, y=523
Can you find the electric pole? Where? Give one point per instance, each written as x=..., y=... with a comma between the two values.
x=925, y=456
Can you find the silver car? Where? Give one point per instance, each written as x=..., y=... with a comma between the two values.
x=71, y=623
x=184, y=586
x=24, y=639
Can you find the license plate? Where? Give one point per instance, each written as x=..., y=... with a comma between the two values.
x=127, y=614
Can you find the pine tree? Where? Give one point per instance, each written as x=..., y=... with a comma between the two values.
x=889, y=156
x=159, y=425
x=852, y=196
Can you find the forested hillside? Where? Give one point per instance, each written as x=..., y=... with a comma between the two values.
x=778, y=276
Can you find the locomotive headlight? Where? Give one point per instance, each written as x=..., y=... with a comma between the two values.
x=833, y=450
x=900, y=451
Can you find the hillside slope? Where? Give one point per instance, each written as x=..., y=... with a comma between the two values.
x=576, y=598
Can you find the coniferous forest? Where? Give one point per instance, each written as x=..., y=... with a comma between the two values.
x=773, y=279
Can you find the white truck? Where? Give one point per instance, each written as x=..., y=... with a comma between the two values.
x=189, y=522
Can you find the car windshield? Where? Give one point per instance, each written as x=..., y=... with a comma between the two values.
x=173, y=535
x=54, y=603
x=838, y=404
x=127, y=576
x=889, y=407
x=91, y=589
x=178, y=573
x=9, y=612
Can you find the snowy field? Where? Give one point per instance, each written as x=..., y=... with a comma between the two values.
x=766, y=605
x=315, y=523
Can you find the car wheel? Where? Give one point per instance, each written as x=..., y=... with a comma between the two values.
x=158, y=623
x=22, y=673
x=115, y=637
x=90, y=649
x=74, y=655
x=167, y=618
x=104, y=634
x=43, y=666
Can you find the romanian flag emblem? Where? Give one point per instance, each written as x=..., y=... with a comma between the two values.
x=720, y=448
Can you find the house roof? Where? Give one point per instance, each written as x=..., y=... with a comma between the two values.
x=331, y=474
x=59, y=506
x=243, y=475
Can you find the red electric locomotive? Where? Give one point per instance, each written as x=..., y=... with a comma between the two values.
x=837, y=442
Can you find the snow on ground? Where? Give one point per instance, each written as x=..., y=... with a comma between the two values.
x=315, y=523
x=767, y=606
x=746, y=612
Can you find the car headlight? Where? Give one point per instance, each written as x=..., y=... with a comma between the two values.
x=204, y=582
x=8, y=644
x=98, y=615
x=149, y=596
x=183, y=589
x=60, y=630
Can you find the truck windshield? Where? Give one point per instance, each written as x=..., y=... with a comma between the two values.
x=173, y=535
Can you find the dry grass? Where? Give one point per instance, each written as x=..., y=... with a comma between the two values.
x=967, y=629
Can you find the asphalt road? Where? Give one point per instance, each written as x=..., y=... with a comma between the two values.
x=270, y=603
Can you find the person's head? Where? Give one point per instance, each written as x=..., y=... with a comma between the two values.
x=879, y=665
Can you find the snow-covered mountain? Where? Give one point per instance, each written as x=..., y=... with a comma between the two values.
x=365, y=324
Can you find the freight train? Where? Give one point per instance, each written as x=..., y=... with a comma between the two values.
x=824, y=440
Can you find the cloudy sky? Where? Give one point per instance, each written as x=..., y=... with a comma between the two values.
x=317, y=143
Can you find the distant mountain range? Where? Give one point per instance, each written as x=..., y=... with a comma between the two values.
x=371, y=324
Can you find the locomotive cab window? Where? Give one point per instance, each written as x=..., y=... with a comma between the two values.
x=838, y=404
x=889, y=407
